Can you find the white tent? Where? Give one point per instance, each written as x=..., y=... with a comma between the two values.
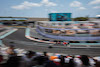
x=97, y=15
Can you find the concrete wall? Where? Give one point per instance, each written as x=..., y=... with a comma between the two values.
x=38, y=19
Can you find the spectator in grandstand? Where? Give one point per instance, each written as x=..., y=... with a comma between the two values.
x=45, y=54
x=51, y=64
x=13, y=61
x=43, y=61
x=1, y=58
x=62, y=60
x=97, y=64
x=27, y=59
x=57, y=61
x=40, y=60
x=71, y=63
x=11, y=51
x=85, y=61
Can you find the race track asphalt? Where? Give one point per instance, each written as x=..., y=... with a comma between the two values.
x=1, y=30
x=20, y=41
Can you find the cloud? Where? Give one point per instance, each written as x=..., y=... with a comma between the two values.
x=96, y=7
x=75, y=4
x=48, y=3
x=94, y=2
x=82, y=8
x=27, y=5
x=19, y=7
x=78, y=5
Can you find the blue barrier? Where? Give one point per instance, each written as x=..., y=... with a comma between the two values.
x=68, y=38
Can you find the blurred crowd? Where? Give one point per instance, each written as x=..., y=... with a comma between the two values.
x=12, y=58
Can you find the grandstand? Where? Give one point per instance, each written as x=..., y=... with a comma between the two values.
x=76, y=32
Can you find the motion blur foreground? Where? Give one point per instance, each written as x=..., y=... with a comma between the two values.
x=28, y=41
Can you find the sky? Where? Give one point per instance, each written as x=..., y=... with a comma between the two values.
x=41, y=8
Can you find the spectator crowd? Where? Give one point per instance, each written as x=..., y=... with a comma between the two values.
x=12, y=58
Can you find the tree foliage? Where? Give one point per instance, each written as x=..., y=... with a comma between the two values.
x=81, y=19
